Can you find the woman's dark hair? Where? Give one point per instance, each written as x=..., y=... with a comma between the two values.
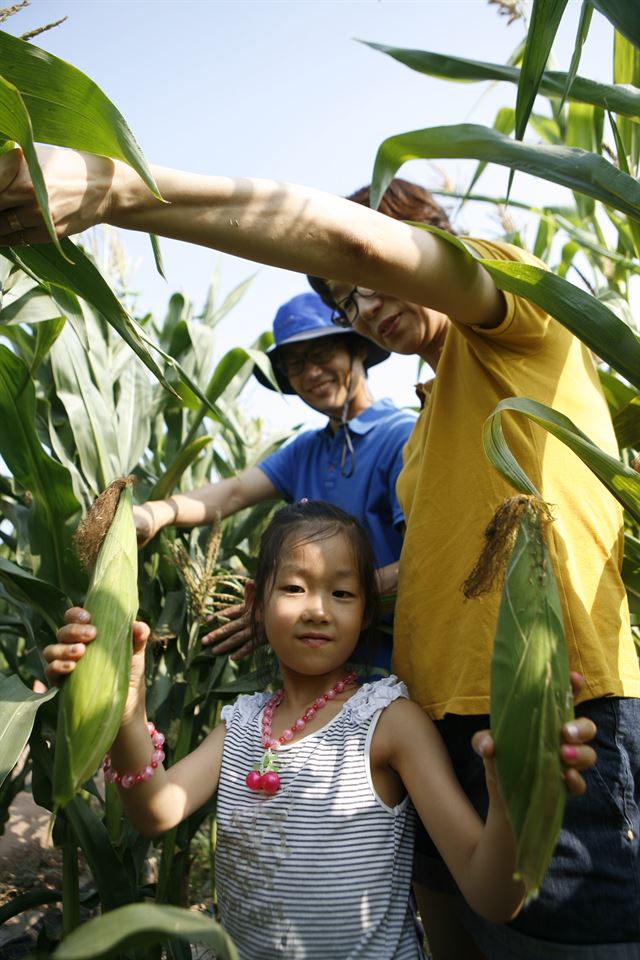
x=305, y=522
x=402, y=200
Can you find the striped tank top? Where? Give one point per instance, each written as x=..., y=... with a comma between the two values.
x=322, y=869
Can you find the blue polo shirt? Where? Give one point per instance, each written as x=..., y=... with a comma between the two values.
x=309, y=466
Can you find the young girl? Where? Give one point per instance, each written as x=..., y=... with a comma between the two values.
x=317, y=783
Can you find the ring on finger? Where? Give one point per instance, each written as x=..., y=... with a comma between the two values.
x=13, y=221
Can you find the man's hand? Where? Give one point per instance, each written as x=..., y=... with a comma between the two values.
x=233, y=637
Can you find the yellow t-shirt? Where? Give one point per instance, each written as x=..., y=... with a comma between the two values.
x=449, y=491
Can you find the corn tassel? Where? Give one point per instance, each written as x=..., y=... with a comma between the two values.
x=94, y=695
x=530, y=689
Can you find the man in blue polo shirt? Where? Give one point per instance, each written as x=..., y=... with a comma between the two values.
x=352, y=462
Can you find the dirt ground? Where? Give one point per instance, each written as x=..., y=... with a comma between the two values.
x=28, y=860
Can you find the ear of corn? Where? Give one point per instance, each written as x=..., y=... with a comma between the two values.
x=530, y=698
x=93, y=697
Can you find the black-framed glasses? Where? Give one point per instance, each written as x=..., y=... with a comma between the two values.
x=292, y=364
x=346, y=311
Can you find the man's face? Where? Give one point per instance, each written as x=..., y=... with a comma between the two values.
x=321, y=370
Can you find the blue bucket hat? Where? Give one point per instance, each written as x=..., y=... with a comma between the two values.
x=306, y=317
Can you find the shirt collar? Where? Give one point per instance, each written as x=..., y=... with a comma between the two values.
x=366, y=420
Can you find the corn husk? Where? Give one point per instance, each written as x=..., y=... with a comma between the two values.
x=94, y=695
x=530, y=691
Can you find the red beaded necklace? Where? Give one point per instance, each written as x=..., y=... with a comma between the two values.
x=265, y=775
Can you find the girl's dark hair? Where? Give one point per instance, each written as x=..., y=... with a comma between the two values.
x=402, y=200
x=305, y=522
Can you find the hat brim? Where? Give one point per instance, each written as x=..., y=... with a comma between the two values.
x=375, y=355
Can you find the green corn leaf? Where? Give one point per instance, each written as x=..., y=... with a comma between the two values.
x=618, y=394
x=133, y=431
x=139, y=925
x=623, y=15
x=18, y=708
x=504, y=123
x=15, y=125
x=623, y=163
x=67, y=108
x=76, y=274
x=617, y=97
x=622, y=482
x=626, y=70
x=47, y=333
x=216, y=315
x=626, y=423
x=54, y=509
x=545, y=19
x=157, y=255
x=580, y=127
x=229, y=367
x=80, y=277
x=93, y=426
x=170, y=479
x=579, y=170
x=115, y=884
x=43, y=597
x=581, y=35
x=530, y=700
x=26, y=901
x=631, y=573
x=589, y=319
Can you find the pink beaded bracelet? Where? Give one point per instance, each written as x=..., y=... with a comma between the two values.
x=128, y=780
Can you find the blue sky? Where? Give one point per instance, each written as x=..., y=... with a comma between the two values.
x=282, y=90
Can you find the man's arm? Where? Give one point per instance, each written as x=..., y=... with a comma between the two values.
x=201, y=506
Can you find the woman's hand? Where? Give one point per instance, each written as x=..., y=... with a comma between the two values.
x=79, y=185
x=72, y=641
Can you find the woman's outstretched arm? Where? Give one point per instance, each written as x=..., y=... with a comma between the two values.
x=284, y=225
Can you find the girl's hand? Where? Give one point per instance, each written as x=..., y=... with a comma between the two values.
x=73, y=640
x=574, y=754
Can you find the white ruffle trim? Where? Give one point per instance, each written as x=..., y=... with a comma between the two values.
x=370, y=698
x=246, y=707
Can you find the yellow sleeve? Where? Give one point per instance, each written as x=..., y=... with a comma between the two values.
x=525, y=324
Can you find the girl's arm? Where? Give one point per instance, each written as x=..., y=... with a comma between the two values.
x=280, y=224
x=480, y=856
x=170, y=796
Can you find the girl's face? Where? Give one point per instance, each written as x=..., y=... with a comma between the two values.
x=395, y=325
x=313, y=613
